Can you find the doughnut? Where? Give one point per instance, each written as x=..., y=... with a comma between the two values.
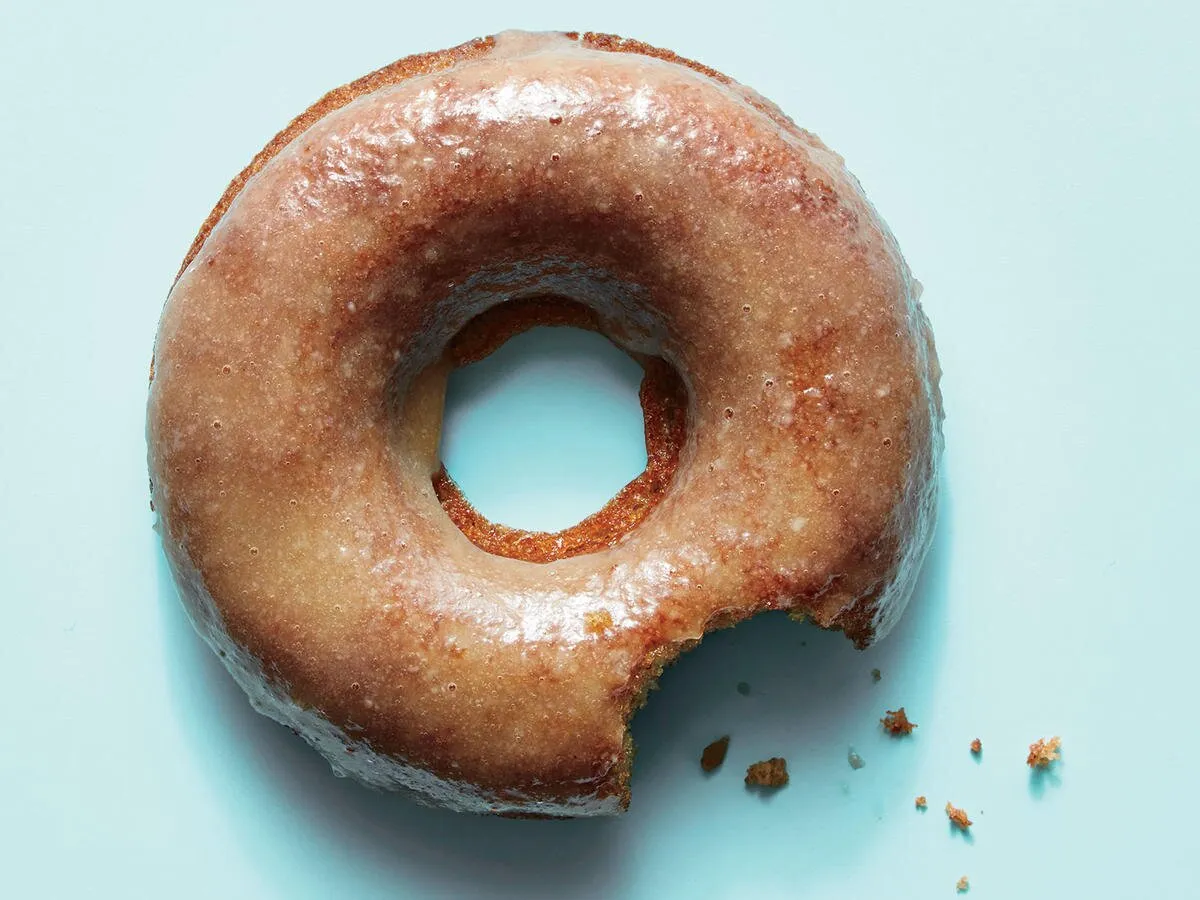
x=412, y=221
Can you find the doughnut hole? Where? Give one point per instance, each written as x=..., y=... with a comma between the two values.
x=555, y=442
x=546, y=430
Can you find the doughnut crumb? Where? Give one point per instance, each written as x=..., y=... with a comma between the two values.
x=876, y=676
x=977, y=747
x=714, y=754
x=896, y=723
x=963, y=885
x=597, y=622
x=958, y=817
x=1044, y=752
x=921, y=803
x=769, y=773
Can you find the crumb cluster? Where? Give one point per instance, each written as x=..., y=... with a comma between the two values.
x=896, y=722
x=1043, y=752
x=958, y=817
x=770, y=773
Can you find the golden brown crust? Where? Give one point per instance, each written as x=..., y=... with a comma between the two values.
x=614, y=43
x=394, y=73
x=400, y=70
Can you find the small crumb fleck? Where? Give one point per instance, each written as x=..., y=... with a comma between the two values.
x=714, y=754
x=856, y=761
x=743, y=688
x=770, y=773
x=1043, y=752
x=958, y=817
x=921, y=802
x=597, y=622
x=977, y=746
x=896, y=722
x=876, y=675
x=963, y=885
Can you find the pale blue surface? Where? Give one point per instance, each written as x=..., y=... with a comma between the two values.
x=1036, y=161
x=545, y=430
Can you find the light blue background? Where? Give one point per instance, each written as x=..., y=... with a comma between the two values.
x=546, y=430
x=1036, y=161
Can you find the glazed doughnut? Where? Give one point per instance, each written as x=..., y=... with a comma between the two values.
x=411, y=221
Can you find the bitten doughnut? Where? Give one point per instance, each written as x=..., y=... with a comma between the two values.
x=411, y=221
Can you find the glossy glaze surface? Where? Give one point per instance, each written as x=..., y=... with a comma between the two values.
x=296, y=403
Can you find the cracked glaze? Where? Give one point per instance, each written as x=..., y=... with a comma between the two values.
x=296, y=402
